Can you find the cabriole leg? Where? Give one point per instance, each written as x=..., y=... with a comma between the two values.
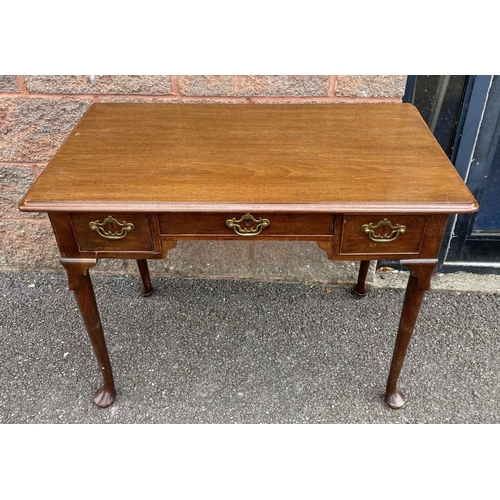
x=81, y=285
x=360, y=288
x=418, y=284
x=147, y=287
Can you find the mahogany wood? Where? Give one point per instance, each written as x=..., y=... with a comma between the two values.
x=317, y=172
x=360, y=288
x=139, y=239
x=355, y=241
x=80, y=283
x=214, y=225
x=418, y=284
x=147, y=288
x=160, y=157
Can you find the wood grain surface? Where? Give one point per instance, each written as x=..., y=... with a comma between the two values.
x=343, y=158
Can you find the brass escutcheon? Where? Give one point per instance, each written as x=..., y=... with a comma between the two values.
x=98, y=226
x=252, y=231
x=370, y=229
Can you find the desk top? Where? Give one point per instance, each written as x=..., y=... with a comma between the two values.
x=340, y=158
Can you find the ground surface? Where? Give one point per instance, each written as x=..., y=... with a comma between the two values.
x=235, y=351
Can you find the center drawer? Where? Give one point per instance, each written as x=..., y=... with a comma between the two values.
x=234, y=225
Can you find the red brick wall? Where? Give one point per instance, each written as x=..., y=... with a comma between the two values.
x=38, y=112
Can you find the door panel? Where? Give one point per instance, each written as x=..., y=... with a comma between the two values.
x=475, y=238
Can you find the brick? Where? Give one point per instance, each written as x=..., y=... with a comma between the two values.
x=102, y=84
x=14, y=182
x=254, y=86
x=32, y=130
x=8, y=83
x=371, y=86
x=29, y=245
x=295, y=100
x=177, y=100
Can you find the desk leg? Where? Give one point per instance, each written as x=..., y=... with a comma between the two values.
x=418, y=284
x=360, y=288
x=81, y=284
x=147, y=288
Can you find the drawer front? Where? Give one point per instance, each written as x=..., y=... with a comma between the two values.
x=258, y=225
x=113, y=233
x=382, y=234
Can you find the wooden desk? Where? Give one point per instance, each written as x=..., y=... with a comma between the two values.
x=365, y=181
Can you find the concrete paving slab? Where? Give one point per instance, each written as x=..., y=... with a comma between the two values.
x=460, y=281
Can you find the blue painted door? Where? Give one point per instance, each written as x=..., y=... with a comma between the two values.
x=474, y=239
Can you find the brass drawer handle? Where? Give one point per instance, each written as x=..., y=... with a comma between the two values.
x=370, y=229
x=249, y=231
x=98, y=226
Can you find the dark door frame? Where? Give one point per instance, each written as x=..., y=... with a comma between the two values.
x=462, y=146
x=462, y=251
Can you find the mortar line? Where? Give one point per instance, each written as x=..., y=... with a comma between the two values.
x=21, y=81
x=332, y=85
